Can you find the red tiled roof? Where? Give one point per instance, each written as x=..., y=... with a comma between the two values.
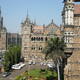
x=38, y=29
x=77, y=9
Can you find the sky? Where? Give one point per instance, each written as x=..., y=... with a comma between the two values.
x=41, y=11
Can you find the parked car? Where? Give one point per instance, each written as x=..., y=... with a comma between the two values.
x=18, y=66
x=5, y=74
x=30, y=62
x=34, y=62
x=43, y=63
x=50, y=64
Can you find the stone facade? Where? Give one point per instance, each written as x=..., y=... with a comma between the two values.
x=72, y=69
x=34, y=38
x=3, y=33
x=7, y=38
x=71, y=32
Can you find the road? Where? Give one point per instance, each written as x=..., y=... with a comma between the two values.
x=15, y=73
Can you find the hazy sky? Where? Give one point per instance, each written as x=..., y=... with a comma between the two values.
x=15, y=11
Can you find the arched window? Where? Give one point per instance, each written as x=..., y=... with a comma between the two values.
x=38, y=38
x=32, y=39
x=33, y=47
x=41, y=39
x=40, y=47
x=46, y=39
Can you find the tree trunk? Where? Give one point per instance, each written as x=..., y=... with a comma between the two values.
x=58, y=70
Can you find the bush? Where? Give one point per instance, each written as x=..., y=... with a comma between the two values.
x=18, y=77
x=37, y=74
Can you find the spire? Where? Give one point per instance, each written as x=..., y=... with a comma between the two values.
x=0, y=19
x=0, y=11
x=27, y=18
x=34, y=21
x=52, y=22
x=27, y=14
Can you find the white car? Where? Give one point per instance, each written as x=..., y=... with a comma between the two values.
x=41, y=63
x=18, y=66
x=34, y=62
x=50, y=65
x=30, y=62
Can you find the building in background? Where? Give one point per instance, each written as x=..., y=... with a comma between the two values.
x=7, y=38
x=13, y=39
x=34, y=38
x=3, y=35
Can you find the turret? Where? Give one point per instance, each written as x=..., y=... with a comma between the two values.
x=26, y=37
x=0, y=12
x=67, y=14
x=1, y=19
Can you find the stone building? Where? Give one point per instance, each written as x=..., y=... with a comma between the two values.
x=34, y=38
x=71, y=32
x=7, y=38
x=3, y=33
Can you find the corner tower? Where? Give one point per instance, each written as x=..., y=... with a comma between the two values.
x=3, y=35
x=67, y=14
x=71, y=19
x=1, y=20
x=26, y=32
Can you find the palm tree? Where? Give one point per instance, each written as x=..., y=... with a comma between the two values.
x=55, y=51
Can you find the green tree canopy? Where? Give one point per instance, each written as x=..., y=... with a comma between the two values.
x=12, y=56
x=55, y=48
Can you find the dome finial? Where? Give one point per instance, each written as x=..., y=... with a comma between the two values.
x=27, y=14
x=52, y=21
x=34, y=21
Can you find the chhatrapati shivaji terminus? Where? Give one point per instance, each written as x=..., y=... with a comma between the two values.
x=34, y=38
x=71, y=33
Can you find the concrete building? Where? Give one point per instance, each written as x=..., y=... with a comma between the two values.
x=13, y=39
x=34, y=39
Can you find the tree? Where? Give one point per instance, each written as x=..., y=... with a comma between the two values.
x=6, y=62
x=55, y=51
x=12, y=56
